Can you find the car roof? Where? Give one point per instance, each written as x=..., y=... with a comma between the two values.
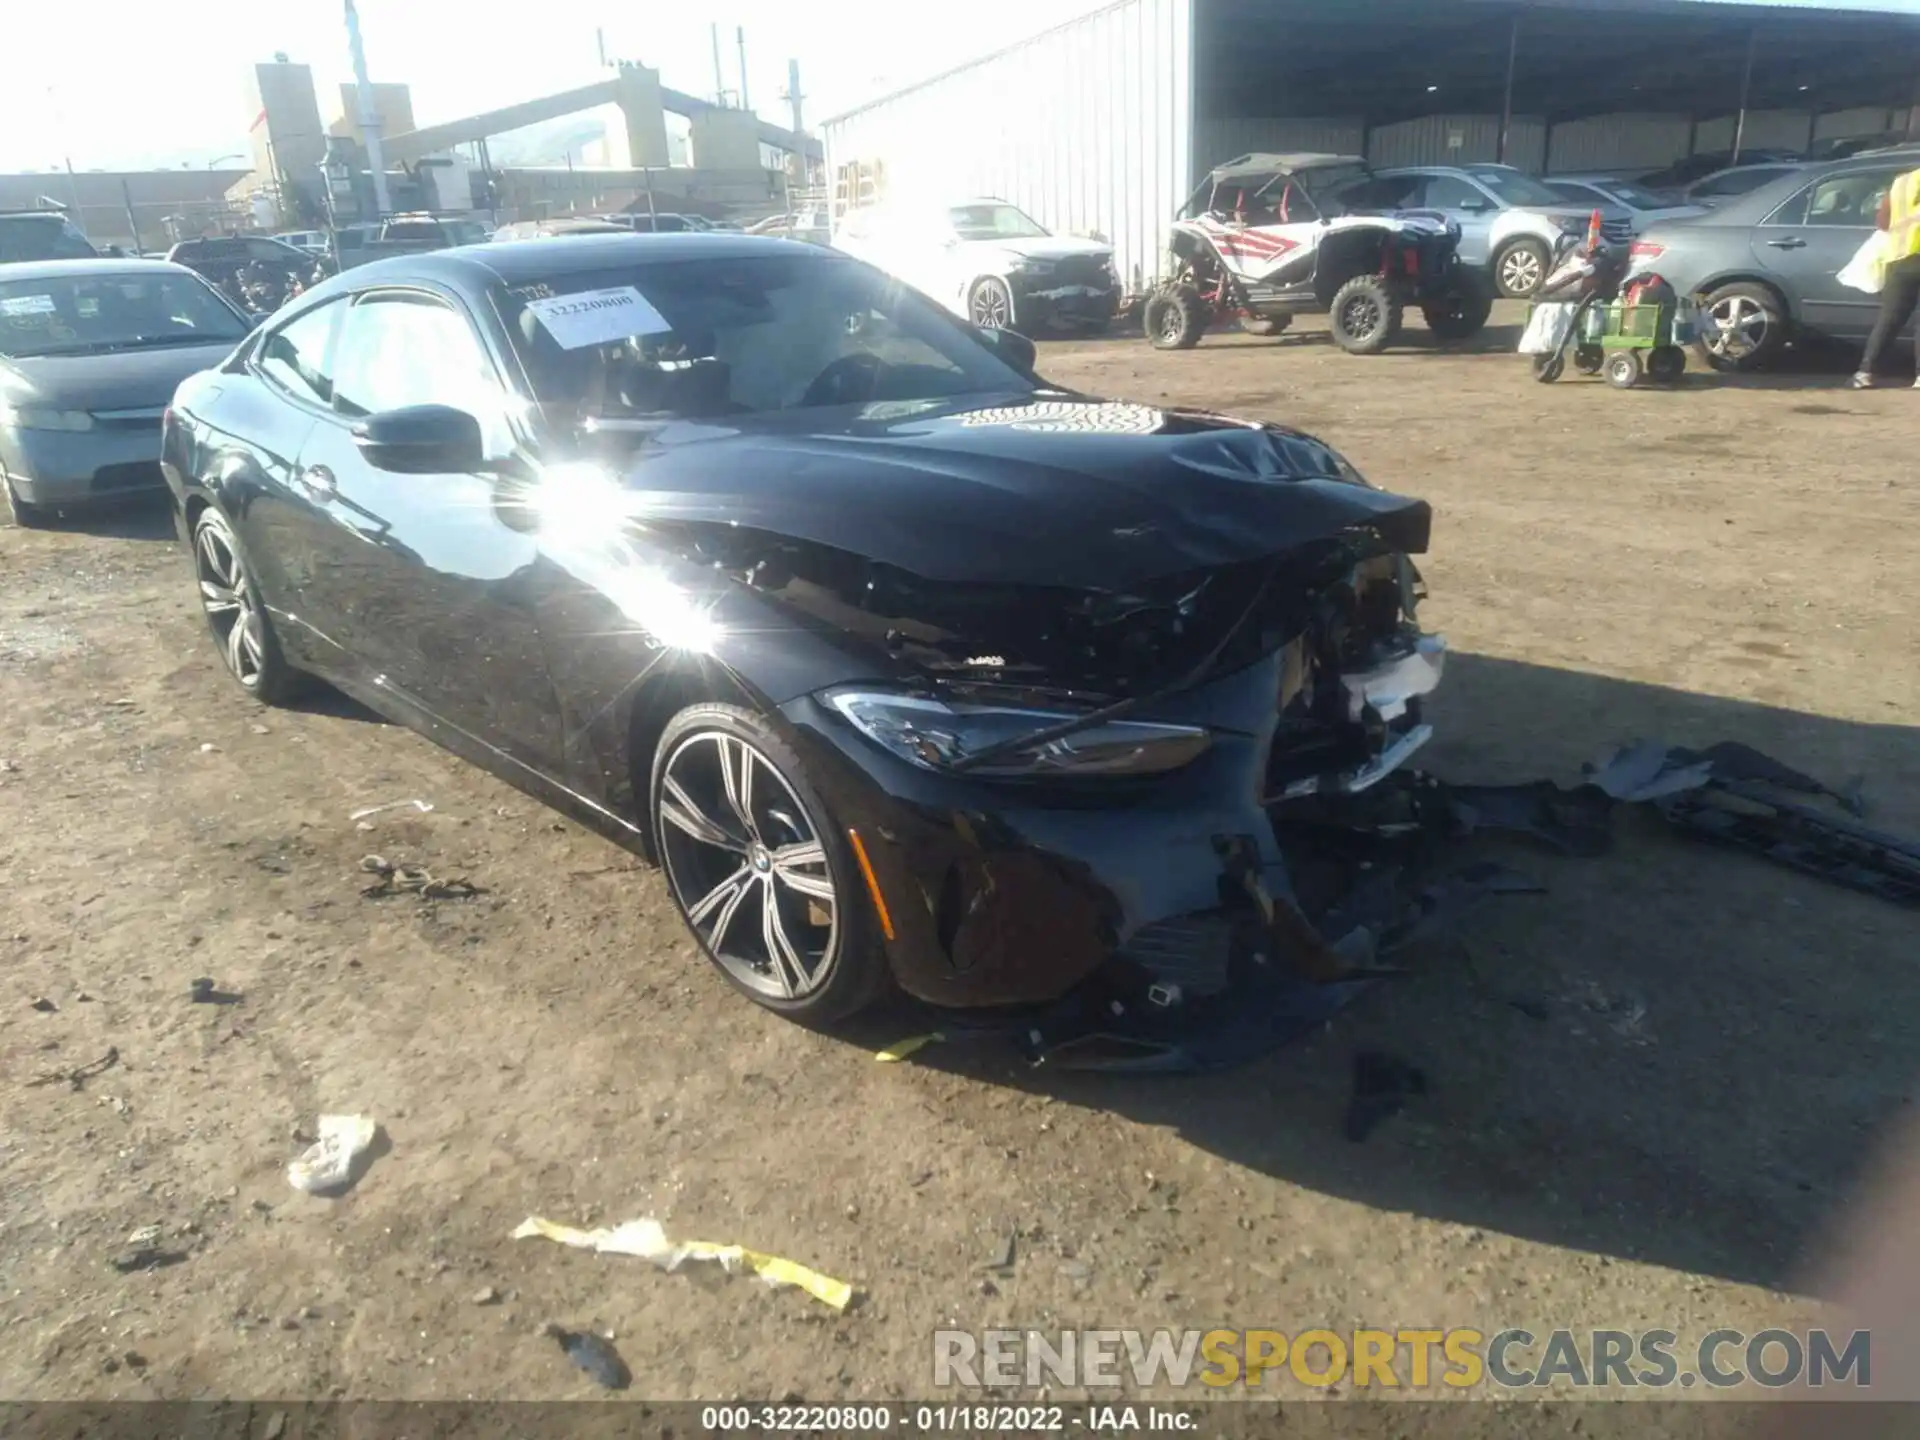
x=1758, y=203
x=67, y=269
x=33, y=214
x=476, y=268
x=1289, y=163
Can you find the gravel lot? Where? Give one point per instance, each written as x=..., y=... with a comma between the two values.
x=1706, y=1051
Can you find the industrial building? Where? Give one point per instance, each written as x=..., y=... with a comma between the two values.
x=314, y=171
x=1105, y=125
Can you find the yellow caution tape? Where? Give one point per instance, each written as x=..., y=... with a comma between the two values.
x=646, y=1239
x=901, y=1049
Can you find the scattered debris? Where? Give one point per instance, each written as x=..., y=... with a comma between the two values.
x=258, y=730
x=1002, y=1257
x=134, y=1360
x=276, y=1426
x=486, y=1295
x=7, y=767
x=331, y=1164
x=423, y=806
x=645, y=1238
x=207, y=747
x=1382, y=1084
x=1734, y=795
x=594, y=1355
x=142, y=1252
x=901, y=1049
x=202, y=990
x=44, y=1005
x=391, y=879
x=78, y=1075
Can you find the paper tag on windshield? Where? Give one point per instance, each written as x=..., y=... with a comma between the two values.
x=27, y=305
x=598, y=317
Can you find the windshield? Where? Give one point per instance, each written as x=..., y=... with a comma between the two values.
x=1514, y=188
x=1637, y=196
x=91, y=314
x=993, y=222
x=741, y=336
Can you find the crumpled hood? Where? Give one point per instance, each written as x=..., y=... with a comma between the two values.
x=128, y=380
x=1045, y=489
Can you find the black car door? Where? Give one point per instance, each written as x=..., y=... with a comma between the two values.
x=266, y=420
x=433, y=590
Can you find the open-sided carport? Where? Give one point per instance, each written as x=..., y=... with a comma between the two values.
x=1103, y=124
x=1541, y=83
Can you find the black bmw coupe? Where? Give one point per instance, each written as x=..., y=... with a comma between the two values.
x=907, y=667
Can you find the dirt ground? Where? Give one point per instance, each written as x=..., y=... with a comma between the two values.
x=1649, y=1088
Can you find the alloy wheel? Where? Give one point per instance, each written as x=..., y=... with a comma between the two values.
x=991, y=308
x=747, y=866
x=227, y=596
x=1738, y=327
x=1520, y=272
x=1362, y=317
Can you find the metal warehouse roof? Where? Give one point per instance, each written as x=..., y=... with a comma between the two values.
x=1393, y=60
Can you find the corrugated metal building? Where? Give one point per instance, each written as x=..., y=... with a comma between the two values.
x=1105, y=124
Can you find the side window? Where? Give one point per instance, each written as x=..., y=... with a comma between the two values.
x=1449, y=192
x=1849, y=200
x=295, y=357
x=413, y=230
x=397, y=350
x=1792, y=212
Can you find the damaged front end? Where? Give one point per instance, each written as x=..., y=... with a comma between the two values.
x=1098, y=787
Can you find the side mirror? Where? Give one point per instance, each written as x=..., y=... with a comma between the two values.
x=1015, y=349
x=420, y=440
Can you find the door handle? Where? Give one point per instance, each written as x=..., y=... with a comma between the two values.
x=1791, y=242
x=317, y=481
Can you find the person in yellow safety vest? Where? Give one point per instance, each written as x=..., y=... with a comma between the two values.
x=1900, y=217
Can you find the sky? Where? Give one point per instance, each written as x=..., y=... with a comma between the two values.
x=129, y=84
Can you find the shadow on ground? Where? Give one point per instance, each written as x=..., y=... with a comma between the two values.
x=1678, y=1055
x=144, y=517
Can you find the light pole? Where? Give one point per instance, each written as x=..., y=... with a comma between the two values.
x=369, y=112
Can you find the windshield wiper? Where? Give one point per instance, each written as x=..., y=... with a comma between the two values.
x=1047, y=734
x=162, y=342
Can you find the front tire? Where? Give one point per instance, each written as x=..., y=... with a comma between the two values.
x=237, y=616
x=1744, y=327
x=990, y=304
x=759, y=870
x=1520, y=267
x=1459, y=315
x=1365, y=315
x=1175, y=318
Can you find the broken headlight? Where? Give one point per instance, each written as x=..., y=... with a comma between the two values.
x=936, y=736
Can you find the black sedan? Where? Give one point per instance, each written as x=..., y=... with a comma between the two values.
x=1765, y=265
x=905, y=666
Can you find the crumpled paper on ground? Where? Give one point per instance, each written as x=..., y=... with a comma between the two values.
x=328, y=1163
x=646, y=1239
